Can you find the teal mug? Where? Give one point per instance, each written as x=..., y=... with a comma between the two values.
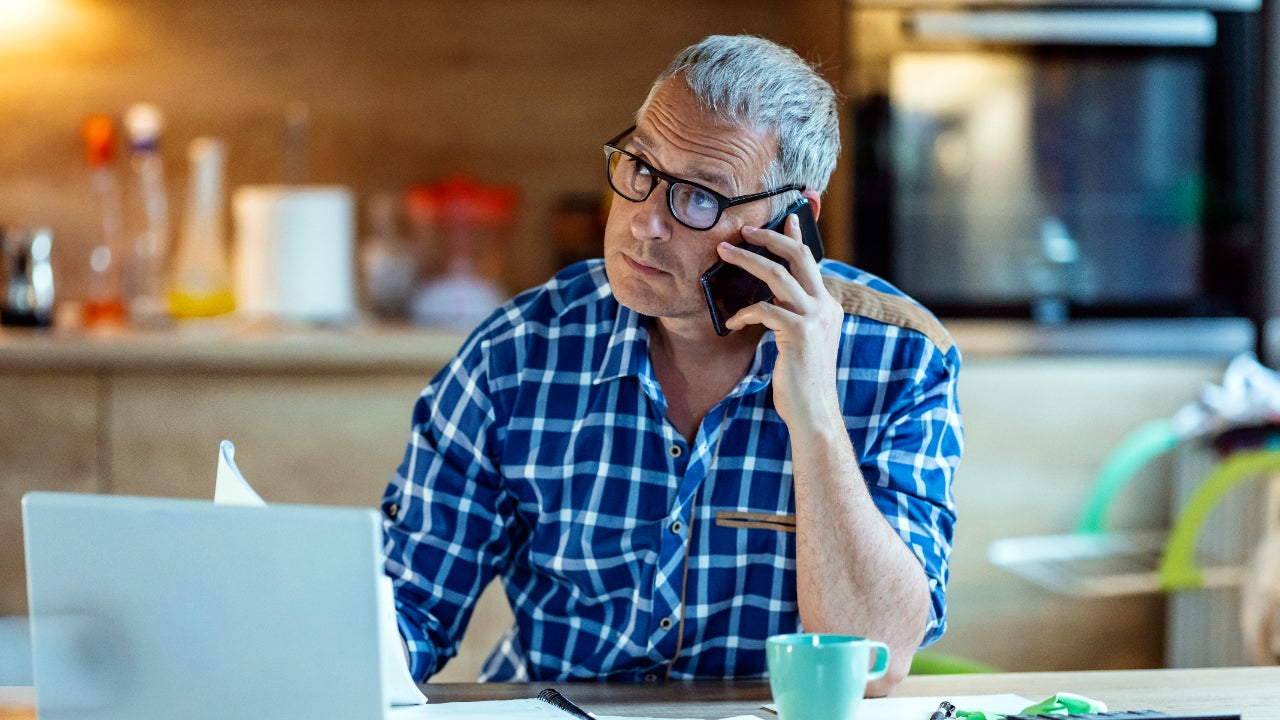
x=815, y=676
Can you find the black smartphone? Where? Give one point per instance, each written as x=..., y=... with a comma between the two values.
x=729, y=288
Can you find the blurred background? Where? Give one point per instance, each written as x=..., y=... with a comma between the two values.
x=394, y=94
x=272, y=221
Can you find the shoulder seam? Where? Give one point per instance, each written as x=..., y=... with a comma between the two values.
x=865, y=301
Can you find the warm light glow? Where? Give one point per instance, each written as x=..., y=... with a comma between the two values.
x=19, y=15
x=29, y=24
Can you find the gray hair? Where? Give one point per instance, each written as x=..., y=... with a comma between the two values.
x=751, y=81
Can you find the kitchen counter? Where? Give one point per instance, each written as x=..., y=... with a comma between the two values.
x=226, y=345
x=243, y=345
x=1205, y=338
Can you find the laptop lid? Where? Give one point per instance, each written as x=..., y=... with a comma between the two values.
x=155, y=608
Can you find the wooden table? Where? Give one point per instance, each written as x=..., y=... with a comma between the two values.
x=1253, y=692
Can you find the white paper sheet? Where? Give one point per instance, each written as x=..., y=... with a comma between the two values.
x=530, y=709
x=525, y=709
x=892, y=708
x=17, y=697
x=900, y=708
x=230, y=488
x=632, y=717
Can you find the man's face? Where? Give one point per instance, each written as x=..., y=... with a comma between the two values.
x=653, y=262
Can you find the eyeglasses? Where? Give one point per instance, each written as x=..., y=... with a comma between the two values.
x=695, y=206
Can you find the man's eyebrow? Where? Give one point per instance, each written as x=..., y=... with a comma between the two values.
x=713, y=180
x=639, y=136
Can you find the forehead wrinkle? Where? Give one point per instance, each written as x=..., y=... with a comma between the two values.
x=700, y=173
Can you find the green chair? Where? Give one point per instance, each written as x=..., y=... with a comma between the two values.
x=931, y=662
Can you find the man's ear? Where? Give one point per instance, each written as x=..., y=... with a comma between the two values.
x=815, y=200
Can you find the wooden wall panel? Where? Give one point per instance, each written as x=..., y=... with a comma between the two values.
x=330, y=439
x=49, y=428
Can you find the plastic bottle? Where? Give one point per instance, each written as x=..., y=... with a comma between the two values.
x=150, y=236
x=201, y=285
x=103, y=301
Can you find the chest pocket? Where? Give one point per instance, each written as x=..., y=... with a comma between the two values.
x=755, y=520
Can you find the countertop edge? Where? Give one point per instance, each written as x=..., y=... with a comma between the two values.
x=229, y=347
x=1191, y=338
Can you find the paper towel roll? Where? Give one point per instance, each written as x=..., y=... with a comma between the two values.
x=294, y=252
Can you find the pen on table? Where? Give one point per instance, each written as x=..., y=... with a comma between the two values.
x=553, y=696
x=945, y=710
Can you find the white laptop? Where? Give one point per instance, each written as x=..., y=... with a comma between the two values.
x=160, y=608
x=156, y=608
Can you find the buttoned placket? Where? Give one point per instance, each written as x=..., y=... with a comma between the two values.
x=689, y=466
x=671, y=586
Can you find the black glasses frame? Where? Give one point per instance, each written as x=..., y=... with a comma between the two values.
x=723, y=202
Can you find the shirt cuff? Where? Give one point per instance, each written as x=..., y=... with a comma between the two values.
x=416, y=643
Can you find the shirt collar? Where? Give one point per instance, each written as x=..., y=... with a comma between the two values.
x=628, y=349
x=628, y=354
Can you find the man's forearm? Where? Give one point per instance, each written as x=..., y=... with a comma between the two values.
x=854, y=573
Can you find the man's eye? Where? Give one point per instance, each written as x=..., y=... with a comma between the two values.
x=637, y=177
x=702, y=200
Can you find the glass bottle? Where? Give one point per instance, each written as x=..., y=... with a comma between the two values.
x=201, y=283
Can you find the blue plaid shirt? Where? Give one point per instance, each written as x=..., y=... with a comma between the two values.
x=542, y=455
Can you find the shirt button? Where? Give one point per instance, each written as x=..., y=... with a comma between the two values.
x=666, y=623
x=675, y=451
x=392, y=511
x=651, y=678
x=676, y=527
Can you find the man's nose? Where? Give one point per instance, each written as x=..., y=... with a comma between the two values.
x=652, y=218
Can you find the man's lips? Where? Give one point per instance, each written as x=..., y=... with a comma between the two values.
x=641, y=267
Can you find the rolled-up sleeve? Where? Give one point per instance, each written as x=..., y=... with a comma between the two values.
x=445, y=512
x=910, y=464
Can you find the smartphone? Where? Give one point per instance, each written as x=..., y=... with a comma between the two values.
x=728, y=288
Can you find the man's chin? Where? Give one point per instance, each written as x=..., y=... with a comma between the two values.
x=648, y=302
x=651, y=295
x=642, y=303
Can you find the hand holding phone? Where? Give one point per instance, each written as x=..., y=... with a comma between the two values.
x=729, y=288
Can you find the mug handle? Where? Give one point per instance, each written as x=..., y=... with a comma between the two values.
x=881, y=665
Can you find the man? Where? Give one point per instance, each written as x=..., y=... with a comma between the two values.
x=658, y=499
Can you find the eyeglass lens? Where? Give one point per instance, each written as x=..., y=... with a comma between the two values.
x=634, y=180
